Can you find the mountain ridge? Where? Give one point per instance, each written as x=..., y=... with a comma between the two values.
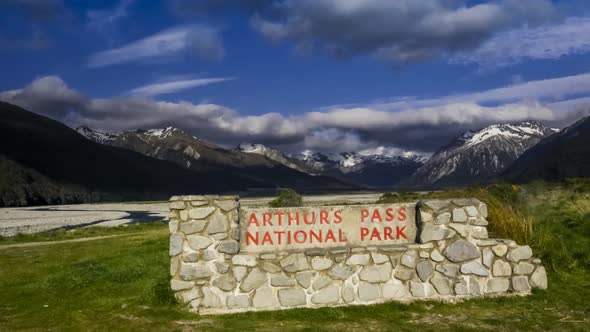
x=478, y=155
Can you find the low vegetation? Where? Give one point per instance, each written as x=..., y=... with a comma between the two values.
x=286, y=198
x=121, y=283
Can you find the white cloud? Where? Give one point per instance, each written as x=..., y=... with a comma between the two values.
x=544, y=42
x=99, y=19
x=547, y=90
x=409, y=125
x=173, y=86
x=400, y=30
x=201, y=41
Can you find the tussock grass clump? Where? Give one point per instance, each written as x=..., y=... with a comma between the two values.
x=286, y=198
x=505, y=216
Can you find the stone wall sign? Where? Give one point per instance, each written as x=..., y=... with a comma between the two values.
x=226, y=258
x=272, y=229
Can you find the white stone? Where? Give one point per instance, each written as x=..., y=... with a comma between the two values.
x=175, y=244
x=194, y=271
x=321, y=282
x=441, y=284
x=409, y=259
x=183, y=215
x=419, y=289
x=479, y=232
x=190, y=295
x=483, y=210
x=443, y=218
x=395, y=289
x=501, y=269
x=424, y=269
x=368, y=292
x=200, y=213
x=221, y=267
x=327, y=295
x=173, y=226
x=500, y=250
x=539, y=278
x=341, y=272
x=295, y=262
x=496, y=285
x=193, y=226
x=229, y=247
x=209, y=254
x=461, y=229
x=177, y=285
x=524, y=268
x=459, y=215
x=263, y=297
x=488, y=257
x=174, y=264
x=254, y=280
x=436, y=256
x=238, y=301
x=449, y=270
x=379, y=258
x=240, y=272
x=521, y=284
x=347, y=293
x=281, y=281
x=197, y=242
x=474, y=267
x=291, y=297
x=217, y=224
x=304, y=278
x=177, y=205
x=519, y=253
x=244, y=260
x=226, y=205
x=270, y=267
x=320, y=264
x=376, y=273
x=460, y=251
x=224, y=282
x=431, y=232
x=358, y=259
x=402, y=273
x=210, y=299
x=425, y=217
x=471, y=211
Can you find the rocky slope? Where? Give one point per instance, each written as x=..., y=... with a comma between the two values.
x=42, y=151
x=177, y=146
x=377, y=171
x=560, y=156
x=477, y=156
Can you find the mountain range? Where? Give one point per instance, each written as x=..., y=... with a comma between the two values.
x=45, y=162
x=479, y=155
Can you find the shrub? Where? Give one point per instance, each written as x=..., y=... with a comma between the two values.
x=286, y=198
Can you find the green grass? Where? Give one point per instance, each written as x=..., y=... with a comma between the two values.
x=122, y=284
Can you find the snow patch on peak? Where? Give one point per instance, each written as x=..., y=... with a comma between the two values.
x=252, y=148
x=97, y=136
x=161, y=133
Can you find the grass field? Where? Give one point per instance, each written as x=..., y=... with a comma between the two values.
x=121, y=283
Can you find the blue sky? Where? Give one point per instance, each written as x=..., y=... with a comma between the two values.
x=322, y=75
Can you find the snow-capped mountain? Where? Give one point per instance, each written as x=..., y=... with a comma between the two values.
x=177, y=146
x=557, y=157
x=101, y=137
x=476, y=156
x=368, y=170
x=272, y=154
